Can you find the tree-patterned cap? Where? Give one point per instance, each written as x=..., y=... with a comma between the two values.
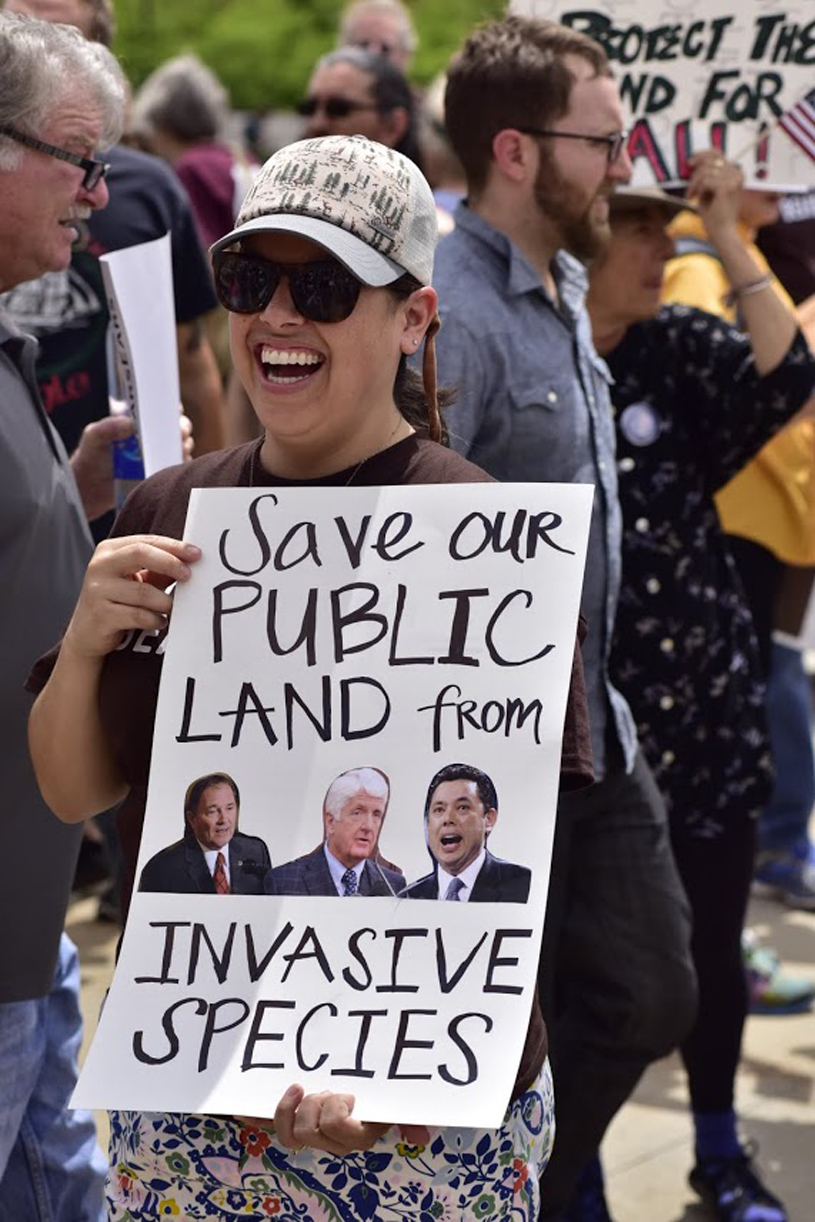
x=367, y=205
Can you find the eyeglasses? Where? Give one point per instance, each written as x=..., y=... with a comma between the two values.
x=614, y=144
x=376, y=47
x=332, y=107
x=95, y=171
x=322, y=291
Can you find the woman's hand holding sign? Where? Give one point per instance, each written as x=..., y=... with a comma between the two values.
x=324, y=1121
x=715, y=188
x=125, y=587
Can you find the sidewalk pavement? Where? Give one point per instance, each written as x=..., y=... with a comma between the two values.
x=648, y=1151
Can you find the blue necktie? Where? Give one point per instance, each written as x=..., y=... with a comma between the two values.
x=452, y=891
x=349, y=882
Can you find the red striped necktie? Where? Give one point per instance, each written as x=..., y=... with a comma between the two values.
x=219, y=876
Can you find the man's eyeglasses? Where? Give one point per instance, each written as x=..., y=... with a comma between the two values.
x=332, y=107
x=95, y=171
x=376, y=47
x=614, y=144
x=322, y=291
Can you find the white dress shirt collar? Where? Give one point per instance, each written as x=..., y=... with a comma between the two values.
x=338, y=869
x=211, y=858
x=467, y=877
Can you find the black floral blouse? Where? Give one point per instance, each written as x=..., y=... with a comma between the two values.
x=690, y=411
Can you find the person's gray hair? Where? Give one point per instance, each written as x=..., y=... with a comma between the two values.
x=350, y=783
x=183, y=98
x=359, y=8
x=40, y=65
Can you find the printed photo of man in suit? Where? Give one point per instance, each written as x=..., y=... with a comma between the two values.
x=346, y=863
x=460, y=812
x=212, y=855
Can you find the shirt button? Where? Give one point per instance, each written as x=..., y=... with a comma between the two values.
x=667, y=645
x=653, y=585
x=666, y=702
x=668, y=757
x=551, y=397
x=642, y=525
x=627, y=464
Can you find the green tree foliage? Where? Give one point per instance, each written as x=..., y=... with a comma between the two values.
x=263, y=50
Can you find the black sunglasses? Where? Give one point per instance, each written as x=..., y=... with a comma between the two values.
x=322, y=291
x=614, y=144
x=95, y=171
x=332, y=107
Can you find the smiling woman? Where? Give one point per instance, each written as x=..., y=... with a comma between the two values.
x=326, y=277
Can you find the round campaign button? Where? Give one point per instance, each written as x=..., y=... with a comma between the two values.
x=640, y=424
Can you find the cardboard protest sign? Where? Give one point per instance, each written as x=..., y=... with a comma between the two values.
x=333, y=651
x=693, y=78
x=139, y=287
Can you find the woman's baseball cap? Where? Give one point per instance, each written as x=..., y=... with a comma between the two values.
x=367, y=205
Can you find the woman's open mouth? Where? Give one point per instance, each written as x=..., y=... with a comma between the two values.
x=287, y=366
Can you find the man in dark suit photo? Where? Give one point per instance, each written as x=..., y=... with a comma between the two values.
x=212, y=857
x=346, y=863
x=460, y=813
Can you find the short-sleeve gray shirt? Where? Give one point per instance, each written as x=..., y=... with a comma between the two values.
x=45, y=549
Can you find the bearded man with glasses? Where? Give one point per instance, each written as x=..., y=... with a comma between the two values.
x=535, y=118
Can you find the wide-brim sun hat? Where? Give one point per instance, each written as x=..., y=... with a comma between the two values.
x=634, y=199
x=367, y=205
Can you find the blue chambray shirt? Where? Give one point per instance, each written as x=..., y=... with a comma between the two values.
x=533, y=404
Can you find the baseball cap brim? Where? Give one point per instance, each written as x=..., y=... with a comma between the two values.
x=632, y=199
x=361, y=260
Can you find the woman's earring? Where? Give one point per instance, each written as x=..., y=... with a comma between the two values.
x=415, y=343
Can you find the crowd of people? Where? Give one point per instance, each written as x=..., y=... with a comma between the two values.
x=590, y=332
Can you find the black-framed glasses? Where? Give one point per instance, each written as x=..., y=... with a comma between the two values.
x=333, y=107
x=322, y=291
x=95, y=171
x=614, y=144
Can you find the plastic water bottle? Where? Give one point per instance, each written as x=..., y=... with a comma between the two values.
x=128, y=465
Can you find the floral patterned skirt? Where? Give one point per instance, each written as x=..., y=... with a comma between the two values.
x=169, y=1165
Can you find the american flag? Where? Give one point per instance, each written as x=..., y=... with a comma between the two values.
x=799, y=123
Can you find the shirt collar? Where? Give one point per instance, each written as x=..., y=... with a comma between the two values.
x=338, y=869
x=211, y=857
x=467, y=877
x=13, y=339
x=7, y=327
x=521, y=277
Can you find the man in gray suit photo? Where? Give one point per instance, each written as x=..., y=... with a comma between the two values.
x=212, y=856
x=459, y=815
x=347, y=862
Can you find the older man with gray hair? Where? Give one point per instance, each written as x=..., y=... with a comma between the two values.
x=347, y=862
x=61, y=100
x=384, y=27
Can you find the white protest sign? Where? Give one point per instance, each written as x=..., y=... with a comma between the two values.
x=324, y=630
x=139, y=287
x=694, y=77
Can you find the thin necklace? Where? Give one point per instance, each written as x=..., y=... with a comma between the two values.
x=256, y=456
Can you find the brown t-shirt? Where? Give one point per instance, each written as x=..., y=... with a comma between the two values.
x=130, y=678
